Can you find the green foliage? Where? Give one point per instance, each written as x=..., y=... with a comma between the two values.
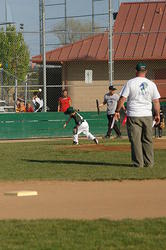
x=14, y=55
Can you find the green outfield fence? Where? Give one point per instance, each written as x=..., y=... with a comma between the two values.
x=40, y=125
x=50, y=124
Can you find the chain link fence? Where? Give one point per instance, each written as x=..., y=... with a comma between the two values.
x=85, y=79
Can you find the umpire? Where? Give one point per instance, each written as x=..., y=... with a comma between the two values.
x=111, y=99
x=140, y=93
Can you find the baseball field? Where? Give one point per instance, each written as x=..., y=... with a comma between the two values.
x=89, y=196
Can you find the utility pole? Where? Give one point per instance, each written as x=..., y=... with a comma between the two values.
x=44, y=55
x=6, y=14
x=110, y=43
x=119, y=2
x=93, y=16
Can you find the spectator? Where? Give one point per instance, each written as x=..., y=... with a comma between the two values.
x=64, y=101
x=20, y=106
x=29, y=107
x=37, y=102
x=140, y=93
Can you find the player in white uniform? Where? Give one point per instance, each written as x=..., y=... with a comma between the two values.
x=111, y=99
x=81, y=125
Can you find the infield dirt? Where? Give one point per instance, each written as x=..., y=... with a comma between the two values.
x=85, y=200
x=158, y=144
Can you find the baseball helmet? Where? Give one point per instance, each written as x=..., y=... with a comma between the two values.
x=69, y=111
x=112, y=88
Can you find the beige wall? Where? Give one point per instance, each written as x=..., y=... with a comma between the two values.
x=84, y=95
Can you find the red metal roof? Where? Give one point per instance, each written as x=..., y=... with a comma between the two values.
x=139, y=33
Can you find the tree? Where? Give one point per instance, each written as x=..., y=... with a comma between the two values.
x=14, y=55
x=76, y=30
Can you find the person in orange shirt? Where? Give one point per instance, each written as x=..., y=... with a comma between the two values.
x=64, y=102
x=22, y=107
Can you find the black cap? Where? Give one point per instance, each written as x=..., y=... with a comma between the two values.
x=112, y=88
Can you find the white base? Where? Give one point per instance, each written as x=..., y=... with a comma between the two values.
x=22, y=193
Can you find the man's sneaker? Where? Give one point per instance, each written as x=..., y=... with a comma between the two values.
x=96, y=141
x=75, y=143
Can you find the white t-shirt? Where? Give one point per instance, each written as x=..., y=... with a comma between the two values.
x=140, y=92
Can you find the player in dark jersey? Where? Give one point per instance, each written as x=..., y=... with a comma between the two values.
x=81, y=125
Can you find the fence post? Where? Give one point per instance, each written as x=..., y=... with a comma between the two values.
x=44, y=56
x=15, y=94
x=1, y=83
x=26, y=92
x=110, y=45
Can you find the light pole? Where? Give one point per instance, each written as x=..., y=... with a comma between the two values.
x=44, y=55
x=6, y=14
x=65, y=21
x=119, y=2
x=92, y=15
x=40, y=25
x=110, y=43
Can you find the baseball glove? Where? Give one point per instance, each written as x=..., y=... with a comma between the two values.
x=97, y=106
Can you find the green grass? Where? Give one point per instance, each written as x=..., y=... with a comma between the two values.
x=53, y=160
x=83, y=235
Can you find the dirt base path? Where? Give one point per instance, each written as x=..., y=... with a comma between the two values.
x=85, y=200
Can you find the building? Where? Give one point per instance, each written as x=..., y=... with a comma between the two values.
x=139, y=35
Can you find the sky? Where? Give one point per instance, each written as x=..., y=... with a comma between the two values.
x=27, y=12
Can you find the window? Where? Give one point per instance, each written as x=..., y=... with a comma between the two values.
x=88, y=76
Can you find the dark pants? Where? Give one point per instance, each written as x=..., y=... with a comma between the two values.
x=115, y=127
x=158, y=131
x=140, y=136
